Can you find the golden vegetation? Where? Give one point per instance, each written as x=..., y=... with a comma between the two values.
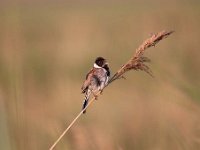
x=46, y=50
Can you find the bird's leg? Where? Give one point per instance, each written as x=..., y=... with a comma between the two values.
x=95, y=95
x=101, y=91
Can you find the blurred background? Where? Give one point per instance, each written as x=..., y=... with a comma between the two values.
x=48, y=46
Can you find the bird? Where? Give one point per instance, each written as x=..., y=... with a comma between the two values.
x=96, y=79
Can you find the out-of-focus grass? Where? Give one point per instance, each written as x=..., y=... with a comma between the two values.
x=46, y=48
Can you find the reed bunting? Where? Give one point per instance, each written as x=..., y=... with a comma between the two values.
x=96, y=80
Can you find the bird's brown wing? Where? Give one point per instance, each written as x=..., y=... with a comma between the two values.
x=87, y=81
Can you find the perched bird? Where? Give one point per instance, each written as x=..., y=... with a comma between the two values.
x=96, y=79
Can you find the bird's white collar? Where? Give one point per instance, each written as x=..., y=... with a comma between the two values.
x=96, y=66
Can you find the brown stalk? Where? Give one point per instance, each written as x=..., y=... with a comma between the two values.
x=137, y=62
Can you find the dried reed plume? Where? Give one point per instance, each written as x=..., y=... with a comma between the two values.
x=137, y=62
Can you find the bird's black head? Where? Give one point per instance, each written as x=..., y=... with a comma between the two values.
x=100, y=61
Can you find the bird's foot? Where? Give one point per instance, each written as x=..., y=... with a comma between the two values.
x=101, y=91
x=95, y=96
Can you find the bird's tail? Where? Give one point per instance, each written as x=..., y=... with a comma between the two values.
x=85, y=102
